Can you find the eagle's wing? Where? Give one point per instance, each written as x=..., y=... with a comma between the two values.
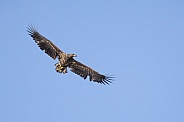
x=84, y=71
x=43, y=42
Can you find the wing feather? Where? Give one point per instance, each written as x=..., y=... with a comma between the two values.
x=84, y=71
x=43, y=43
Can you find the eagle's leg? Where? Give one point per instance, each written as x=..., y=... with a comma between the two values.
x=59, y=68
x=64, y=70
x=58, y=64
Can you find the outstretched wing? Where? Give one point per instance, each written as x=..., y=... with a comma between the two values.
x=84, y=71
x=43, y=42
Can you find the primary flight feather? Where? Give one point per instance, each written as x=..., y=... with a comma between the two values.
x=66, y=60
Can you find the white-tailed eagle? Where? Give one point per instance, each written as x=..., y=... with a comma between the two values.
x=66, y=60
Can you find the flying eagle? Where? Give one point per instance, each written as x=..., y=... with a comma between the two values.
x=66, y=60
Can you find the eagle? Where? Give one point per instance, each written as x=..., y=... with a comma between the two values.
x=66, y=60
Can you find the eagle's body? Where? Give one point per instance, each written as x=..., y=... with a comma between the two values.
x=66, y=60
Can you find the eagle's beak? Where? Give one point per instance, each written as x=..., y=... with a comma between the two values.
x=75, y=55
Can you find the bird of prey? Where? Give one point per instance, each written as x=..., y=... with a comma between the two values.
x=66, y=60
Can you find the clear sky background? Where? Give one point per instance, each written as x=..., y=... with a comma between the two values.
x=141, y=43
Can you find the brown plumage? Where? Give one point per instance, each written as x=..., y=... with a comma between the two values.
x=66, y=60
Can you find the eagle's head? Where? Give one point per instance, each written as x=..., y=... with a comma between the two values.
x=73, y=55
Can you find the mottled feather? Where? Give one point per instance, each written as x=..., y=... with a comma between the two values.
x=85, y=71
x=44, y=43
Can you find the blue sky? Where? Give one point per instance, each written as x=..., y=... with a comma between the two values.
x=141, y=43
